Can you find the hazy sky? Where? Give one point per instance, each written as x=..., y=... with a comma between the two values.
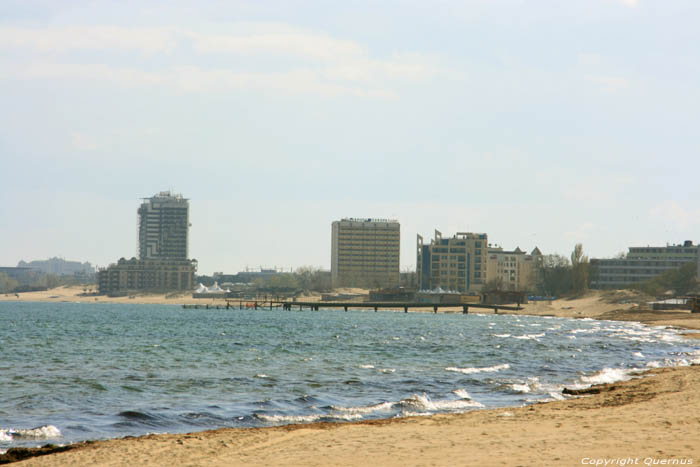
x=542, y=123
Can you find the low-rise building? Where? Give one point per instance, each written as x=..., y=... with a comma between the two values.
x=147, y=275
x=641, y=264
x=513, y=270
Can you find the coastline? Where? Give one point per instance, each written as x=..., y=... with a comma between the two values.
x=654, y=417
x=651, y=419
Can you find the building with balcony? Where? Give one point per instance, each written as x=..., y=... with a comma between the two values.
x=163, y=225
x=455, y=264
x=513, y=271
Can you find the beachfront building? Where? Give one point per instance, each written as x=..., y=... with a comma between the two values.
x=515, y=270
x=365, y=253
x=164, y=221
x=641, y=264
x=163, y=227
x=147, y=275
x=456, y=264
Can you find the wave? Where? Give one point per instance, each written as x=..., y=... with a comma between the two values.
x=469, y=371
x=41, y=432
x=366, y=409
x=608, y=375
x=529, y=336
x=423, y=403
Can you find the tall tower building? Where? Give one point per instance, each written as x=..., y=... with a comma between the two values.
x=164, y=222
x=365, y=253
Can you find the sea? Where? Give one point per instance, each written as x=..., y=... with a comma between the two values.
x=83, y=371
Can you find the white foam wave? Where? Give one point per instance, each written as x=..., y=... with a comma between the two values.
x=463, y=394
x=501, y=335
x=524, y=388
x=367, y=367
x=41, y=432
x=288, y=418
x=362, y=410
x=607, y=375
x=423, y=403
x=387, y=370
x=529, y=336
x=468, y=371
x=639, y=354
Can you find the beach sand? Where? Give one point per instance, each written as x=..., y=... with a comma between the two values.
x=652, y=420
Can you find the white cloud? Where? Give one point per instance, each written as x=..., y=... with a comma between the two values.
x=66, y=39
x=670, y=213
x=630, y=3
x=609, y=83
x=307, y=62
x=196, y=79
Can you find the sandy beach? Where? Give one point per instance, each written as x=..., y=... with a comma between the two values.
x=650, y=420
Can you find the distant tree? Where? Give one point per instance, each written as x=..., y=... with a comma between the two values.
x=554, y=277
x=579, y=270
x=408, y=279
x=494, y=285
x=680, y=281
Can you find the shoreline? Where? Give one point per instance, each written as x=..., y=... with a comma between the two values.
x=654, y=416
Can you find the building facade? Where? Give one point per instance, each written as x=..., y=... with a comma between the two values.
x=163, y=226
x=144, y=274
x=455, y=264
x=641, y=264
x=163, y=264
x=513, y=271
x=365, y=253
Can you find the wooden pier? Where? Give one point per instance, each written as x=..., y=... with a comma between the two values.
x=405, y=306
x=316, y=306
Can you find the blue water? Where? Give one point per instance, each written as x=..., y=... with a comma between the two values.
x=71, y=372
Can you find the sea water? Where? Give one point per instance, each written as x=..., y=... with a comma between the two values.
x=78, y=371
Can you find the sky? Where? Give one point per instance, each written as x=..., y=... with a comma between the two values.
x=541, y=123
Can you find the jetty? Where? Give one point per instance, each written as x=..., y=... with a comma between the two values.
x=286, y=305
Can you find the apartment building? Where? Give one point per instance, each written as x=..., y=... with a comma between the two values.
x=513, y=270
x=153, y=275
x=164, y=221
x=163, y=231
x=456, y=264
x=641, y=264
x=365, y=253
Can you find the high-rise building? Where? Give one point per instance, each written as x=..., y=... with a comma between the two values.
x=163, y=262
x=365, y=253
x=456, y=264
x=164, y=222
